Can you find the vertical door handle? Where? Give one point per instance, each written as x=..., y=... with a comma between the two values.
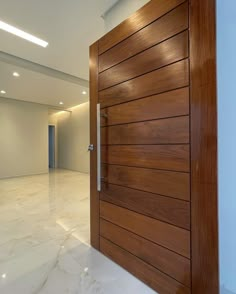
x=98, y=148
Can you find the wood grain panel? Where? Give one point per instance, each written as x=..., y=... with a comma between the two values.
x=168, y=236
x=94, y=197
x=173, y=184
x=172, y=103
x=165, y=79
x=165, y=260
x=164, y=131
x=150, y=12
x=146, y=101
x=158, y=56
x=149, y=204
x=172, y=23
x=205, y=254
x=159, y=281
x=169, y=157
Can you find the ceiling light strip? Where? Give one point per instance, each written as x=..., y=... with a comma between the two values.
x=17, y=32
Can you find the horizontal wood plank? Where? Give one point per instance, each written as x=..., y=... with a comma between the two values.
x=165, y=53
x=172, y=103
x=168, y=236
x=164, y=131
x=165, y=27
x=167, y=183
x=159, y=281
x=170, y=210
x=165, y=260
x=169, y=157
x=165, y=79
x=144, y=16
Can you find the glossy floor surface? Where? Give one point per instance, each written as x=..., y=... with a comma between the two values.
x=44, y=240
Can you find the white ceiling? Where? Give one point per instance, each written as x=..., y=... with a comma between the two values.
x=41, y=88
x=70, y=27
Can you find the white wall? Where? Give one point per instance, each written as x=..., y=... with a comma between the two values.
x=73, y=138
x=226, y=35
x=23, y=138
x=122, y=10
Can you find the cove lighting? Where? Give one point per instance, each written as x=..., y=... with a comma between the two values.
x=16, y=74
x=3, y=92
x=17, y=32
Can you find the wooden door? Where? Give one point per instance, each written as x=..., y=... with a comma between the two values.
x=156, y=212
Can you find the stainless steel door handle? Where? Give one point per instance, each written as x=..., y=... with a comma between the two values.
x=98, y=148
x=91, y=147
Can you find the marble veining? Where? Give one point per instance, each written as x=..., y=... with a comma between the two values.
x=44, y=240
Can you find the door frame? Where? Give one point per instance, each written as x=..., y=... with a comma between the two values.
x=203, y=109
x=204, y=184
x=94, y=194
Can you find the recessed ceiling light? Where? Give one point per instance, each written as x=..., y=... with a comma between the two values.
x=61, y=103
x=3, y=92
x=19, y=33
x=84, y=92
x=16, y=74
x=4, y=276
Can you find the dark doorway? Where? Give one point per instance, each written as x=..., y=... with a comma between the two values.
x=51, y=146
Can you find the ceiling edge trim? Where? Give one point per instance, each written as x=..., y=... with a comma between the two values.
x=24, y=63
x=109, y=9
x=37, y=103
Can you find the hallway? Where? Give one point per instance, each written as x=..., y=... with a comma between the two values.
x=44, y=239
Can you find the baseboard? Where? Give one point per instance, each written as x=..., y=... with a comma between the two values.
x=24, y=175
x=74, y=170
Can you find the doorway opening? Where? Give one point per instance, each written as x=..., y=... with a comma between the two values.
x=51, y=146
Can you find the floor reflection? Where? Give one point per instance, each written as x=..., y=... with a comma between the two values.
x=44, y=239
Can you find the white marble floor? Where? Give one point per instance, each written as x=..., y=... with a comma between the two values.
x=44, y=240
